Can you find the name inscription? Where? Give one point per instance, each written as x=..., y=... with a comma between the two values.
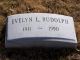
x=40, y=25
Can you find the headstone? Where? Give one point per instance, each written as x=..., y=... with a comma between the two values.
x=40, y=30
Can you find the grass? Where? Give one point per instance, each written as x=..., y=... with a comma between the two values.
x=65, y=7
